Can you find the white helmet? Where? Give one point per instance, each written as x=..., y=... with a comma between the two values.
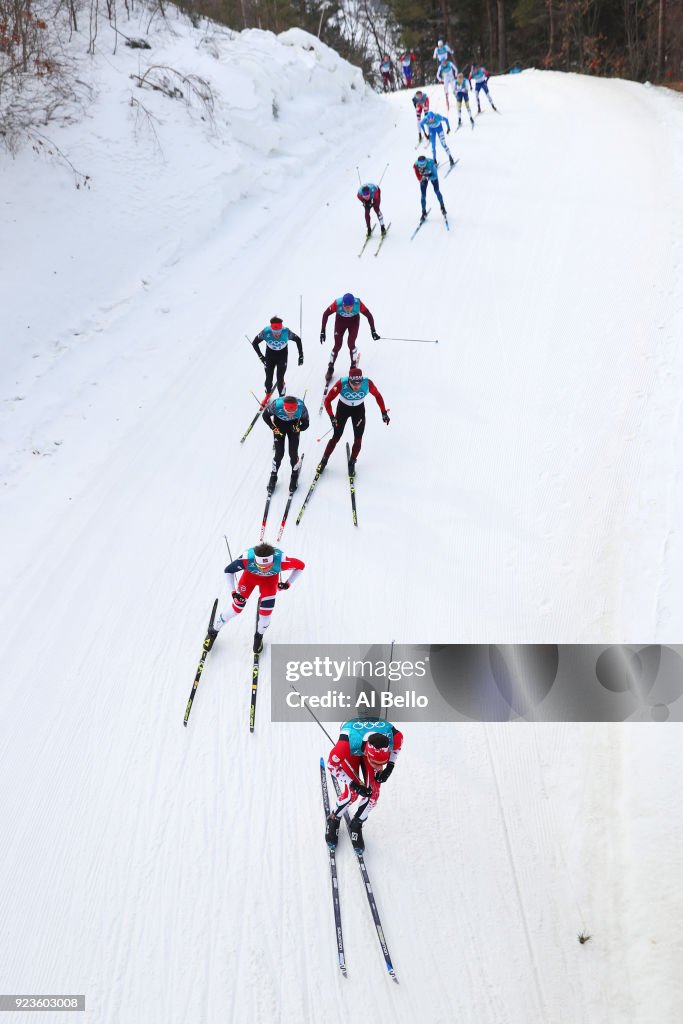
x=440, y=43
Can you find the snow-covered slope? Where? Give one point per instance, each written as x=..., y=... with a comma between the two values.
x=528, y=488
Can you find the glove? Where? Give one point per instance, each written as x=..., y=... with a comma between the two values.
x=385, y=773
x=385, y=417
x=301, y=360
x=361, y=790
x=297, y=427
x=238, y=599
x=283, y=585
x=322, y=337
x=375, y=335
x=277, y=432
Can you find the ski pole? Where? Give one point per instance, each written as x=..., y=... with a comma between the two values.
x=254, y=349
x=318, y=439
x=423, y=341
x=229, y=551
x=383, y=173
x=301, y=312
x=358, y=173
x=313, y=715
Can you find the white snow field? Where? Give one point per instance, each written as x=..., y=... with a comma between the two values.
x=528, y=489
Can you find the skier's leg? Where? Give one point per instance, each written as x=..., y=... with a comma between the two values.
x=244, y=587
x=358, y=421
x=354, y=324
x=268, y=588
x=343, y=413
x=423, y=195
x=270, y=369
x=294, y=437
x=375, y=206
x=281, y=363
x=278, y=451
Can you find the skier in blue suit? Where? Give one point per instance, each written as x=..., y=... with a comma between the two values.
x=432, y=125
x=426, y=171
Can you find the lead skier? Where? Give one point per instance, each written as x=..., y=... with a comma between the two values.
x=361, y=760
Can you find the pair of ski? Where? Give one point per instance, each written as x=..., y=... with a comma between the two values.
x=336, y=904
x=423, y=220
x=206, y=647
x=352, y=488
x=368, y=237
x=286, y=512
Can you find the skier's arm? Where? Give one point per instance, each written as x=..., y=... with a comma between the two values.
x=230, y=570
x=439, y=77
x=366, y=313
x=297, y=567
x=255, y=344
x=268, y=415
x=327, y=314
x=448, y=124
x=377, y=396
x=330, y=396
x=304, y=421
x=297, y=341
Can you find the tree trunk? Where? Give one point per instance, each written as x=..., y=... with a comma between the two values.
x=551, y=32
x=661, y=18
x=492, y=39
x=444, y=15
x=502, y=54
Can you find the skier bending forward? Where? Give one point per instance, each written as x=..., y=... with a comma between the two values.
x=362, y=759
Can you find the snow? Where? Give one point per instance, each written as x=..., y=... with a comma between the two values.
x=528, y=488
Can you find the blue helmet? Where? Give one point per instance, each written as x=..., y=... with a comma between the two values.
x=348, y=299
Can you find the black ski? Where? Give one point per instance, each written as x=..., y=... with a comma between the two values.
x=352, y=485
x=307, y=498
x=371, y=897
x=261, y=407
x=288, y=505
x=206, y=647
x=422, y=220
x=254, y=678
x=265, y=516
x=367, y=239
x=341, y=960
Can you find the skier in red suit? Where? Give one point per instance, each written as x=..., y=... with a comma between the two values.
x=362, y=760
x=260, y=567
x=347, y=309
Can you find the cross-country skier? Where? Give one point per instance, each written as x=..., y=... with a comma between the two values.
x=421, y=103
x=462, y=91
x=276, y=338
x=370, y=196
x=362, y=760
x=426, y=171
x=407, y=60
x=442, y=52
x=446, y=75
x=432, y=126
x=347, y=310
x=480, y=76
x=387, y=71
x=352, y=391
x=286, y=417
x=260, y=567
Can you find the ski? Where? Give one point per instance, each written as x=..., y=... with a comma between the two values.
x=381, y=241
x=352, y=485
x=254, y=678
x=308, y=496
x=265, y=516
x=288, y=506
x=261, y=407
x=341, y=960
x=420, y=224
x=367, y=239
x=371, y=897
x=208, y=644
x=445, y=220
x=452, y=167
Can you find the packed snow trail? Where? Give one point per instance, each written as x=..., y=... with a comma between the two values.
x=179, y=874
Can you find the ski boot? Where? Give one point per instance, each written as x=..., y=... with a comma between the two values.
x=357, y=840
x=494, y=108
x=330, y=371
x=383, y=230
x=472, y=122
x=423, y=217
x=210, y=639
x=294, y=479
x=332, y=831
x=352, y=467
x=321, y=465
x=451, y=161
x=258, y=643
x=459, y=123
x=443, y=210
x=272, y=480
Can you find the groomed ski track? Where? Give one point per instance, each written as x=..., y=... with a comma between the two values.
x=531, y=467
